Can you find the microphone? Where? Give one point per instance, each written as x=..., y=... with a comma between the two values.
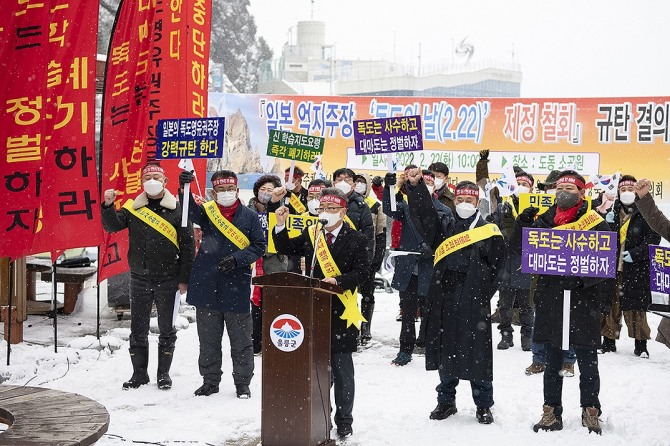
x=323, y=222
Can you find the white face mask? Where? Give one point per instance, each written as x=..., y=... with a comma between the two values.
x=627, y=197
x=344, y=187
x=226, y=199
x=465, y=210
x=333, y=219
x=551, y=191
x=153, y=187
x=431, y=189
x=264, y=197
x=521, y=190
x=312, y=205
x=360, y=188
x=439, y=182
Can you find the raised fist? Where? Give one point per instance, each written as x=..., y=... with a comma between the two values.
x=110, y=195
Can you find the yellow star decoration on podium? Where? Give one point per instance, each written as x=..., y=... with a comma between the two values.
x=352, y=314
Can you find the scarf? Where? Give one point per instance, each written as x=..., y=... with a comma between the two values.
x=566, y=216
x=229, y=211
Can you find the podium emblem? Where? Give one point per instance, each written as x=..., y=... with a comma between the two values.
x=287, y=332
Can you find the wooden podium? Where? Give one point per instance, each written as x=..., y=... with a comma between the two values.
x=296, y=360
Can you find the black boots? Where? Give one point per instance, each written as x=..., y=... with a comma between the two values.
x=139, y=356
x=641, y=349
x=443, y=411
x=164, y=362
x=609, y=345
x=207, y=389
x=506, y=341
x=367, y=310
x=484, y=415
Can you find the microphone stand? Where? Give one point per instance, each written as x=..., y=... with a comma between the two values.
x=317, y=237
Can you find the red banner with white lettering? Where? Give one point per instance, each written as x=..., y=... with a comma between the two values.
x=147, y=79
x=49, y=188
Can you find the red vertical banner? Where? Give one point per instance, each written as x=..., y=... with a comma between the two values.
x=46, y=118
x=147, y=79
x=24, y=36
x=70, y=206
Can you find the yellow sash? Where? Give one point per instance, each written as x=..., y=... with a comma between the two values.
x=154, y=221
x=465, y=238
x=295, y=202
x=224, y=226
x=588, y=221
x=329, y=268
x=623, y=231
x=371, y=201
x=349, y=222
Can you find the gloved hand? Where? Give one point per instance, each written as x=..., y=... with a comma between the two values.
x=528, y=214
x=609, y=218
x=627, y=257
x=490, y=218
x=377, y=181
x=390, y=179
x=227, y=264
x=484, y=154
x=426, y=252
x=185, y=177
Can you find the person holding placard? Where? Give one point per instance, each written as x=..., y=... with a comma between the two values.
x=220, y=285
x=659, y=223
x=160, y=258
x=588, y=300
x=341, y=252
x=632, y=295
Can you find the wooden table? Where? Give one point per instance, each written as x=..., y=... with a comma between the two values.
x=73, y=282
x=44, y=417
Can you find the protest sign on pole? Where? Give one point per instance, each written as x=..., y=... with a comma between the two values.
x=567, y=252
x=189, y=138
x=388, y=136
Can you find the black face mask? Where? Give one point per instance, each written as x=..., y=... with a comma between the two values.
x=566, y=200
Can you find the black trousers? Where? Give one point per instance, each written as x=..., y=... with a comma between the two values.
x=257, y=322
x=410, y=301
x=506, y=307
x=367, y=288
x=589, y=377
x=344, y=387
x=144, y=293
x=210, y=333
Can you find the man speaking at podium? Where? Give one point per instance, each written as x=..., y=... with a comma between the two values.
x=342, y=253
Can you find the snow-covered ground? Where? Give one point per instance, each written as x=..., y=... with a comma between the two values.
x=392, y=403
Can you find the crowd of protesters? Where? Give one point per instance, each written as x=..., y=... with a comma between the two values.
x=460, y=244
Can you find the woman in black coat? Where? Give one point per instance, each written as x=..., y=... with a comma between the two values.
x=633, y=290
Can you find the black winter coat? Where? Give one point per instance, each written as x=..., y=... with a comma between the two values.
x=359, y=213
x=150, y=253
x=458, y=308
x=590, y=296
x=349, y=252
x=635, y=283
